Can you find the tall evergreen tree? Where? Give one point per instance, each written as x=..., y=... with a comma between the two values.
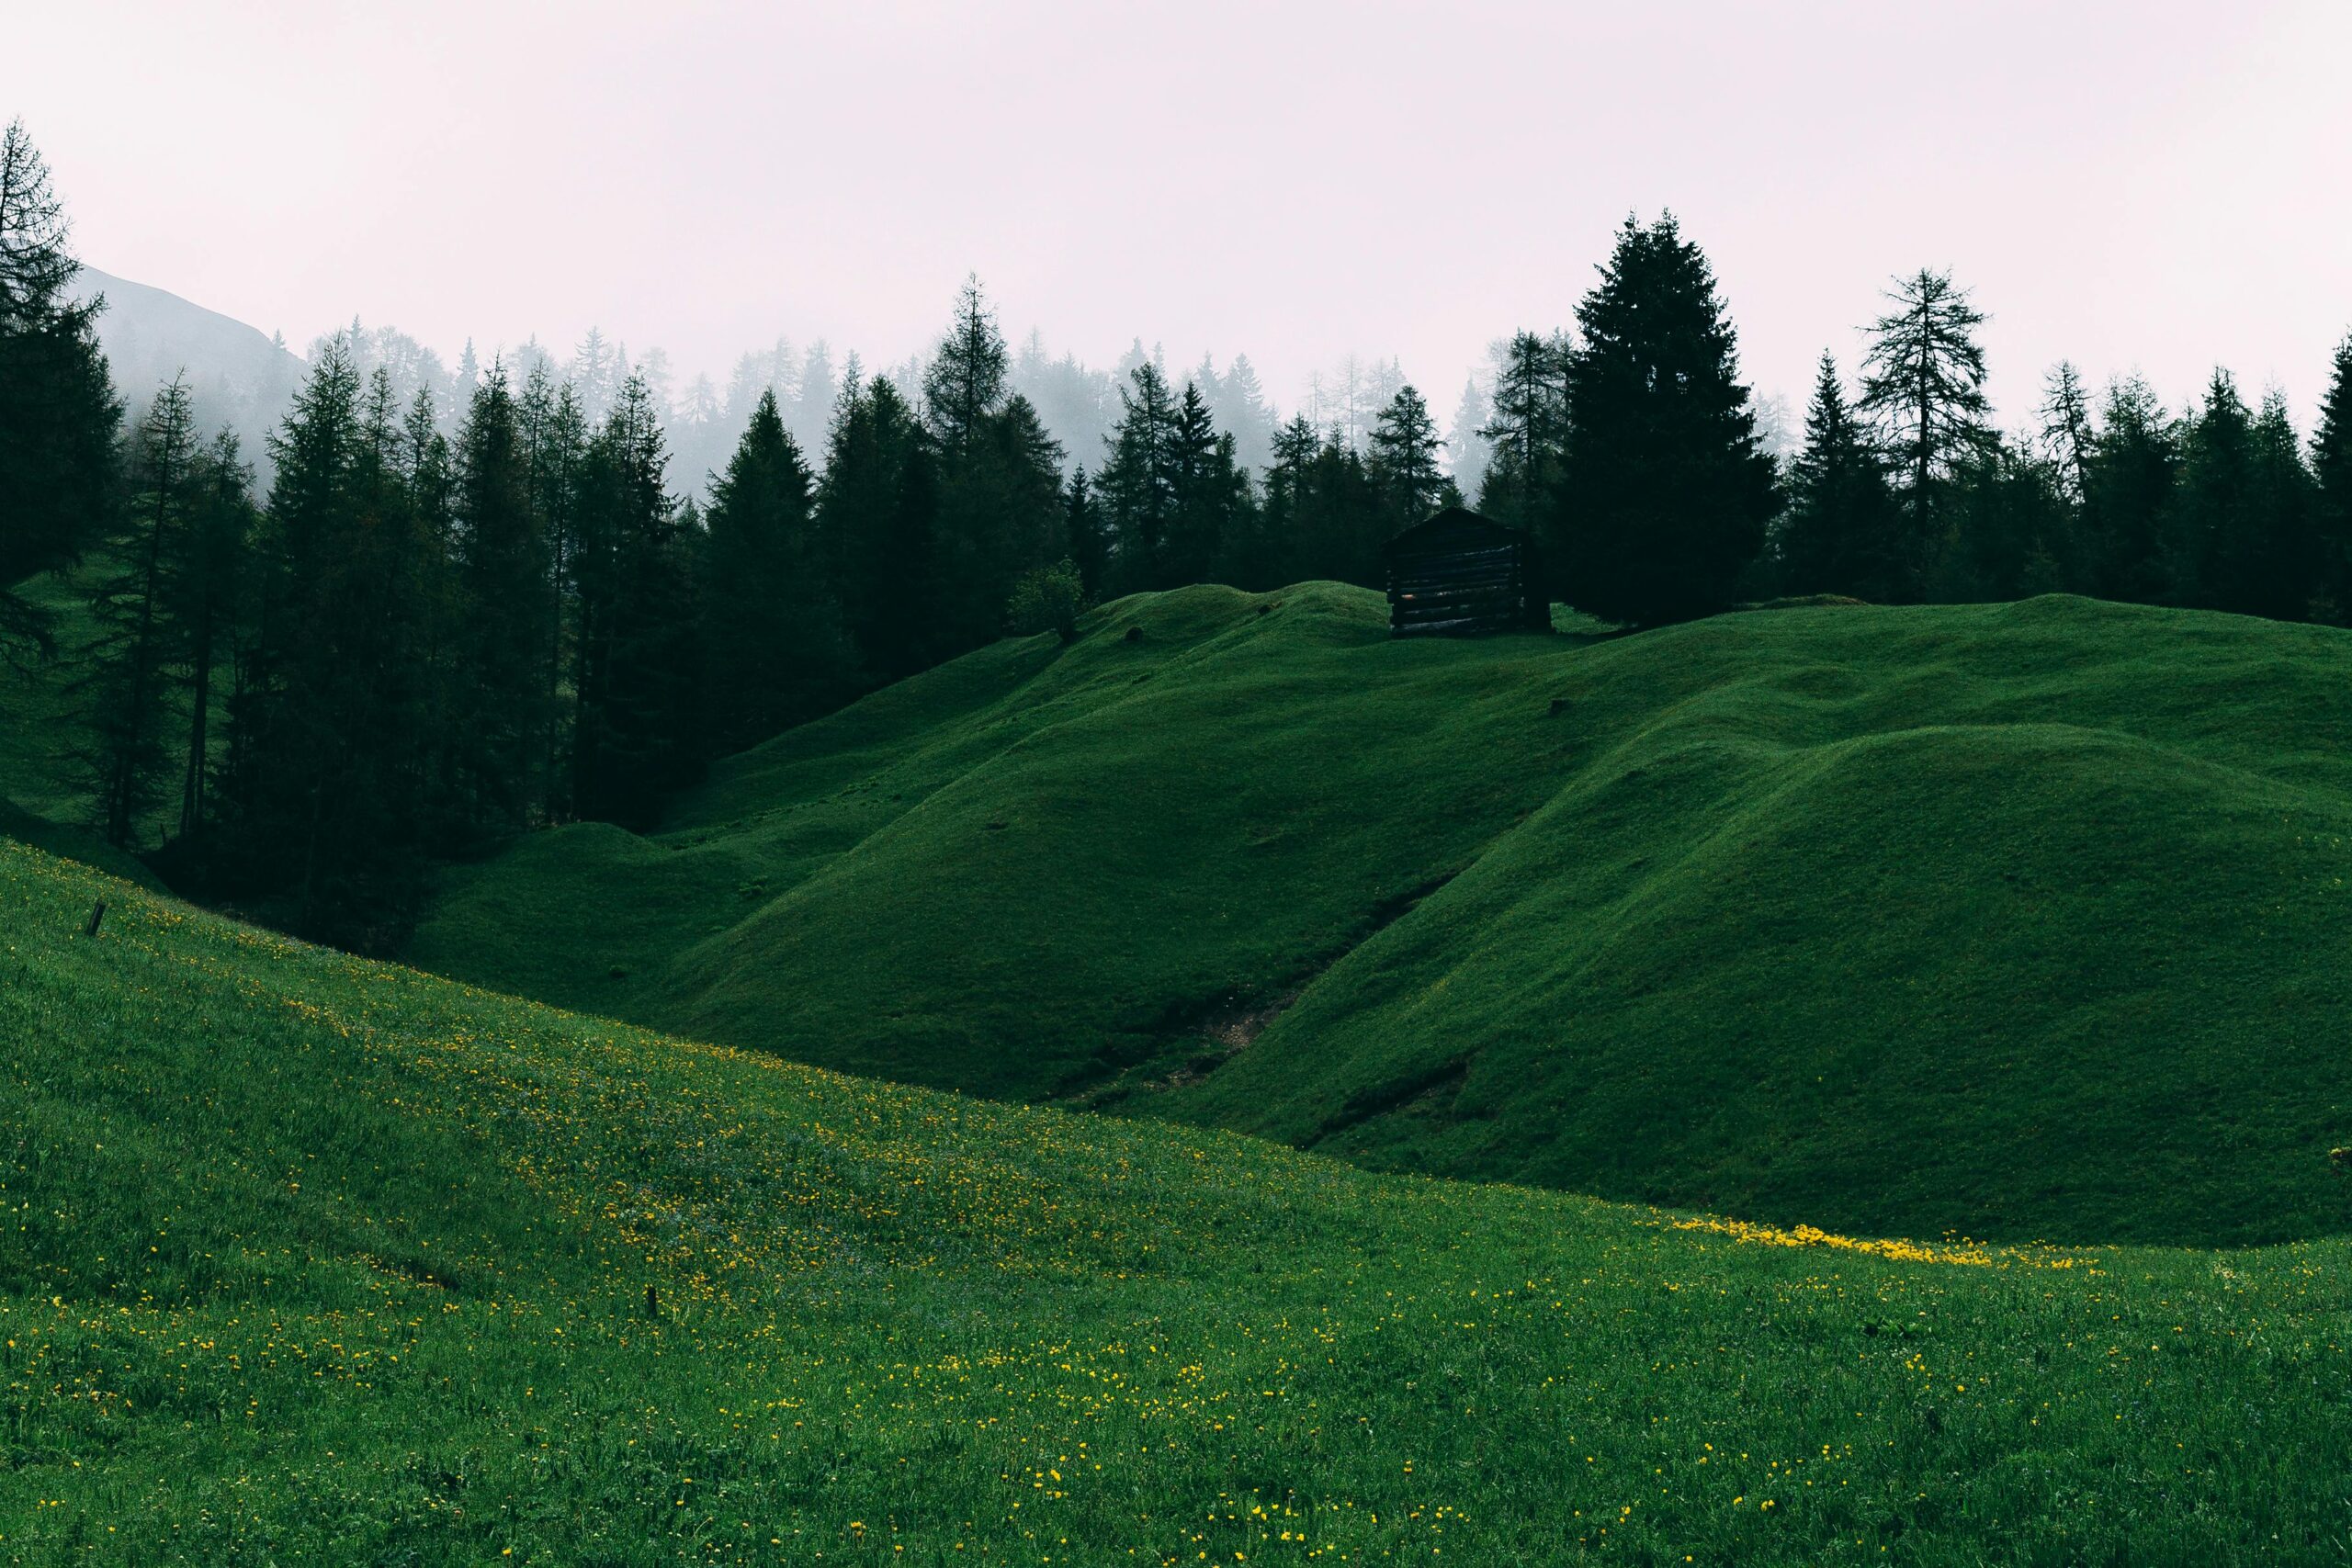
x=964, y=382
x=1840, y=534
x=1404, y=464
x=1664, y=494
x=2128, y=483
x=2066, y=430
x=877, y=506
x=637, y=669
x=554, y=435
x=2332, y=481
x=2277, y=569
x=60, y=420
x=1136, y=483
x=126, y=685
x=2212, y=514
x=1208, y=493
x=774, y=644
x=503, y=616
x=209, y=578
x=1527, y=430
x=1085, y=543
x=1465, y=442
x=1924, y=381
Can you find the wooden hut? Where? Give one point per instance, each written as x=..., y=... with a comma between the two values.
x=1457, y=575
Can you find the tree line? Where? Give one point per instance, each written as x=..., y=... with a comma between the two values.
x=433, y=628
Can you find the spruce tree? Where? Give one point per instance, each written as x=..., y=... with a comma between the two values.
x=2279, y=569
x=1084, y=542
x=60, y=420
x=2211, y=521
x=2332, y=481
x=125, y=688
x=2128, y=483
x=554, y=435
x=877, y=507
x=1136, y=483
x=1840, y=534
x=775, y=644
x=1924, y=381
x=637, y=669
x=502, y=614
x=1664, y=493
x=1208, y=492
x=1404, y=463
x=1527, y=429
x=208, y=579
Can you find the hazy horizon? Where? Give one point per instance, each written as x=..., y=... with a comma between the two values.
x=2135, y=188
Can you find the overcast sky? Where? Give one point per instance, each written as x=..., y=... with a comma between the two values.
x=2147, y=183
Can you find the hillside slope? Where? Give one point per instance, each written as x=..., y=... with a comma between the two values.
x=306, y=1258
x=2017, y=920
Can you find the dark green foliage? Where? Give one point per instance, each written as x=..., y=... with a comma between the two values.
x=966, y=381
x=554, y=433
x=1137, y=484
x=208, y=583
x=1085, y=545
x=503, y=617
x=2128, y=483
x=877, y=508
x=774, y=648
x=1403, y=466
x=1000, y=513
x=2331, y=483
x=334, y=752
x=124, y=687
x=59, y=415
x=1528, y=431
x=2212, y=517
x=1208, y=495
x=2008, y=529
x=1047, y=599
x=1664, y=494
x=1841, y=534
x=1924, y=381
x=637, y=733
x=1321, y=517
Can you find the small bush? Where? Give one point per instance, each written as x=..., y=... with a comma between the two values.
x=1047, y=598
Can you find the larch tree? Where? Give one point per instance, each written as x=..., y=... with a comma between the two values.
x=1923, y=380
x=1527, y=428
x=1404, y=463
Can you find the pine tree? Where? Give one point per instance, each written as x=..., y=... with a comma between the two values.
x=1085, y=543
x=1528, y=431
x=59, y=417
x=637, y=669
x=2212, y=509
x=1924, y=381
x=774, y=644
x=503, y=615
x=208, y=580
x=1207, y=492
x=1840, y=534
x=877, y=507
x=1137, y=484
x=126, y=685
x=2278, y=569
x=2332, y=481
x=2127, y=484
x=1403, y=466
x=554, y=435
x=1664, y=494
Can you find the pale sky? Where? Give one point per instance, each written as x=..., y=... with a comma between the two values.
x=2151, y=184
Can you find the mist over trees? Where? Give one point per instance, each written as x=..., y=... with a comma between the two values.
x=461, y=602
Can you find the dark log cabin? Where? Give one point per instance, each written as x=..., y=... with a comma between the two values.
x=1458, y=575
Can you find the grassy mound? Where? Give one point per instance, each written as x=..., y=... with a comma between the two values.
x=2021, y=920
x=305, y=1258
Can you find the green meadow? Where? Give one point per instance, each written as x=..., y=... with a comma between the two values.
x=304, y=1257
x=2025, y=921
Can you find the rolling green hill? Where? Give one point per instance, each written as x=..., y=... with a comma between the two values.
x=2021, y=920
x=307, y=1258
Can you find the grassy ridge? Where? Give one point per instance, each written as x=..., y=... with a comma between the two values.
x=2017, y=920
x=305, y=1257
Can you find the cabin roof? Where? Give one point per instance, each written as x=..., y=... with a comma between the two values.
x=1455, y=529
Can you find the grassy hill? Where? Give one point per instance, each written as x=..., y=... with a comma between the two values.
x=306, y=1258
x=2020, y=920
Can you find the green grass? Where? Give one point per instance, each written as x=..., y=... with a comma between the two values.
x=307, y=1258
x=2025, y=921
